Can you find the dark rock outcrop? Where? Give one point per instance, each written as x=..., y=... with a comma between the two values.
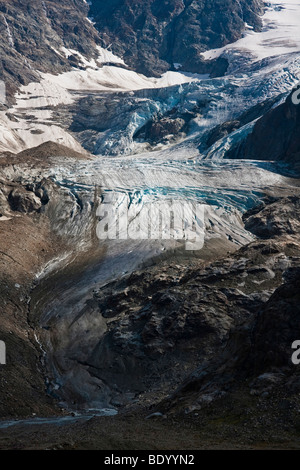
x=281, y=217
x=155, y=35
x=226, y=128
x=24, y=201
x=278, y=327
x=257, y=358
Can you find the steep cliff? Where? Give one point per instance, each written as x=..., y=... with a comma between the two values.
x=154, y=35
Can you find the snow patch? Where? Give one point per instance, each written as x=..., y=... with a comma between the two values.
x=280, y=33
x=106, y=56
x=110, y=78
x=9, y=34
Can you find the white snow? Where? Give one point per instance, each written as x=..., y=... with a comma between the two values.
x=22, y=134
x=110, y=78
x=2, y=92
x=54, y=90
x=42, y=94
x=280, y=34
x=105, y=56
x=84, y=62
x=34, y=124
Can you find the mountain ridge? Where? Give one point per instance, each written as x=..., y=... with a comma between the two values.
x=39, y=37
x=153, y=36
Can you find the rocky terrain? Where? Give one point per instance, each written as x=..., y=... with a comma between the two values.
x=275, y=135
x=43, y=36
x=193, y=317
x=258, y=352
x=153, y=36
x=32, y=35
x=28, y=243
x=226, y=325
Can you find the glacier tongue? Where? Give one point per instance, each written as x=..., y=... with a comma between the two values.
x=225, y=188
x=71, y=325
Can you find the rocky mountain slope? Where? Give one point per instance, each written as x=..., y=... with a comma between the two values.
x=191, y=315
x=275, y=136
x=44, y=36
x=134, y=326
x=154, y=35
x=257, y=358
x=33, y=33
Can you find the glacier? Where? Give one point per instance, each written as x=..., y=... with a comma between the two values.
x=74, y=109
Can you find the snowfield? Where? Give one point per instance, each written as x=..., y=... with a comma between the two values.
x=38, y=99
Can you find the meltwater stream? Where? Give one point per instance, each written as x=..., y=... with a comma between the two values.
x=57, y=420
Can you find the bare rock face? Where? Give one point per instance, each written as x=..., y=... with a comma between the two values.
x=275, y=136
x=32, y=34
x=152, y=36
x=256, y=359
x=154, y=324
x=155, y=35
x=24, y=201
x=164, y=127
x=279, y=218
x=278, y=327
x=226, y=128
